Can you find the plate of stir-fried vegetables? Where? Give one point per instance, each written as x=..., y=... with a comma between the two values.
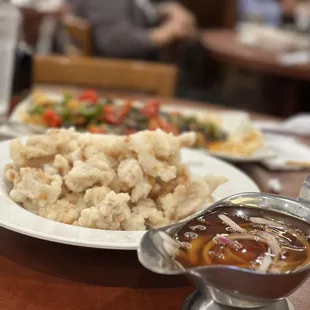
x=217, y=132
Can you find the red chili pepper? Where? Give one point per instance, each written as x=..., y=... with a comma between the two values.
x=51, y=118
x=108, y=109
x=89, y=95
x=96, y=129
x=110, y=115
x=124, y=110
x=160, y=123
x=151, y=108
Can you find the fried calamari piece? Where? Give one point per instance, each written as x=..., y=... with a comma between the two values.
x=35, y=153
x=111, y=145
x=11, y=173
x=153, y=217
x=61, y=165
x=40, y=150
x=87, y=149
x=33, y=184
x=76, y=199
x=109, y=214
x=148, y=145
x=129, y=172
x=130, y=175
x=95, y=171
x=94, y=196
x=62, y=211
x=187, y=139
x=141, y=190
x=188, y=199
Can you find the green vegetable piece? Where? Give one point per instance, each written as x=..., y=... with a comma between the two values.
x=37, y=110
x=64, y=112
x=91, y=111
x=67, y=97
x=66, y=115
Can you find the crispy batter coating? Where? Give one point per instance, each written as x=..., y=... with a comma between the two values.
x=109, y=214
x=153, y=154
x=33, y=184
x=107, y=182
x=62, y=211
x=94, y=196
x=84, y=175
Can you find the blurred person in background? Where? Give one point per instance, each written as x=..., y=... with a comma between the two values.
x=135, y=28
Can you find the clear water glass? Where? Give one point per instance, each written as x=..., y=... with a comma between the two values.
x=9, y=26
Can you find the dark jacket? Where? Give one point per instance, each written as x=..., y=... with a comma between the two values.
x=120, y=27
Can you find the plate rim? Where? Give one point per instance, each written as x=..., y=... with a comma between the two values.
x=254, y=158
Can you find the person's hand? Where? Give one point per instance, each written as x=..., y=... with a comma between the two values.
x=181, y=21
x=177, y=12
x=172, y=31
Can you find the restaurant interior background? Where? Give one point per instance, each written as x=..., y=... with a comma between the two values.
x=232, y=107
x=236, y=65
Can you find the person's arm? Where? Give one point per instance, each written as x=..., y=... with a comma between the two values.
x=62, y=41
x=75, y=7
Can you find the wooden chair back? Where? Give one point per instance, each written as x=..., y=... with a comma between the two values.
x=157, y=79
x=79, y=31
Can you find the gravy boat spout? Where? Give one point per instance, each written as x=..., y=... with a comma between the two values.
x=229, y=285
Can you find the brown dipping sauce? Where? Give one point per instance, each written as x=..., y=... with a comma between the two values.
x=269, y=244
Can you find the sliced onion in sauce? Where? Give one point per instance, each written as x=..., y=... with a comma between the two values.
x=265, y=263
x=247, y=237
x=262, y=221
x=231, y=223
x=272, y=243
x=222, y=240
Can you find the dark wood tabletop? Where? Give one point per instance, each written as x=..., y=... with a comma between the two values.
x=225, y=46
x=37, y=274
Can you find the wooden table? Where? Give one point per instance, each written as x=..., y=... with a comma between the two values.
x=224, y=46
x=36, y=274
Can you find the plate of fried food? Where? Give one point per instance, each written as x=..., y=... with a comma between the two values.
x=228, y=135
x=105, y=191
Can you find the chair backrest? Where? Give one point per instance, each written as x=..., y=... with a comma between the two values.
x=158, y=79
x=79, y=31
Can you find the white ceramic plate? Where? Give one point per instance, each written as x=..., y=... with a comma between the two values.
x=231, y=122
x=15, y=218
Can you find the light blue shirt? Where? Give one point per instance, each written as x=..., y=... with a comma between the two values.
x=269, y=10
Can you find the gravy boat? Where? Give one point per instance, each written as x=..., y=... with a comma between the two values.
x=229, y=285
